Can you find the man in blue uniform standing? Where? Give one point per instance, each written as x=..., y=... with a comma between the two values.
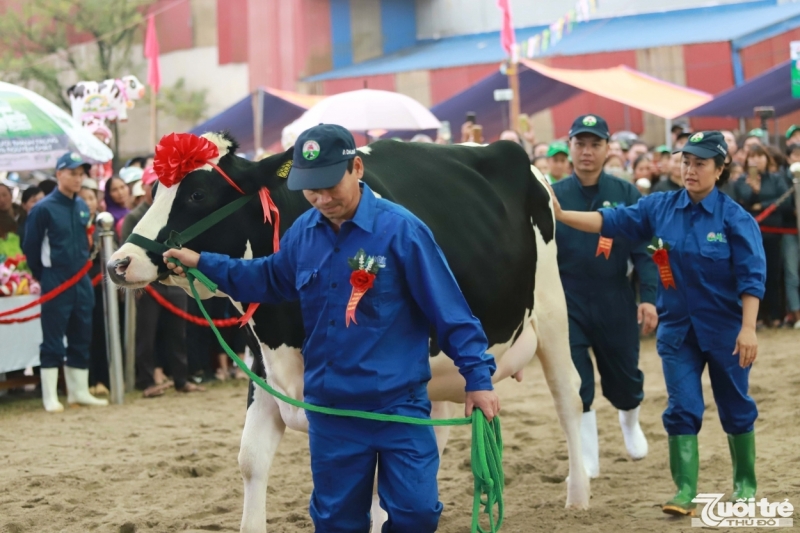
x=56, y=248
x=601, y=302
x=371, y=281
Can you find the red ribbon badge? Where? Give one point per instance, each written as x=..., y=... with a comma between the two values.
x=604, y=246
x=362, y=281
x=661, y=259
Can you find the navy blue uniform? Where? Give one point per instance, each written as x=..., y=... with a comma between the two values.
x=379, y=364
x=600, y=299
x=57, y=247
x=716, y=256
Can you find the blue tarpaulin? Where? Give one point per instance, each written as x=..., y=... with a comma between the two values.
x=771, y=88
x=279, y=109
x=538, y=92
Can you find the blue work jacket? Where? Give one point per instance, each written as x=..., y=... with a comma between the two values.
x=383, y=359
x=716, y=256
x=56, y=245
x=584, y=272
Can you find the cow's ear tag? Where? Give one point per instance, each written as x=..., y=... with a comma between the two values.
x=283, y=171
x=174, y=240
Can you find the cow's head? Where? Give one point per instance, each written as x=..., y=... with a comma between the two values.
x=133, y=87
x=182, y=199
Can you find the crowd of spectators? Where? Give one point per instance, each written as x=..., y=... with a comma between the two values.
x=170, y=352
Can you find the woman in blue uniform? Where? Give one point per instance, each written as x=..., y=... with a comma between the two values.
x=712, y=267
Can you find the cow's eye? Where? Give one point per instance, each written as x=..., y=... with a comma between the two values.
x=198, y=196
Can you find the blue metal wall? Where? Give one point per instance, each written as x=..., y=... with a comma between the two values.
x=398, y=24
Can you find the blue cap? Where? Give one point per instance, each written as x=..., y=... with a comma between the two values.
x=320, y=158
x=705, y=145
x=72, y=160
x=589, y=124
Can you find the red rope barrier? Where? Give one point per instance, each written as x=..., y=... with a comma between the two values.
x=95, y=280
x=784, y=231
x=52, y=294
x=19, y=320
x=200, y=321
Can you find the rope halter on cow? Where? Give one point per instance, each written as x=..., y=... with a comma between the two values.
x=178, y=154
x=487, y=441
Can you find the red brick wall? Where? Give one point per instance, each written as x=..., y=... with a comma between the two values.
x=763, y=56
x=709, y=68
x=447, y=82
x=385, y=82
x=232, y=31
x=174, y=26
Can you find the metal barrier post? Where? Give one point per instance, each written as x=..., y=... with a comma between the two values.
x=130, y=340
x=105, y=221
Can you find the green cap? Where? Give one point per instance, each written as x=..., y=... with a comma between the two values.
x=557, y=148
x=757, y=132
x=663, y=149
x=791, y=130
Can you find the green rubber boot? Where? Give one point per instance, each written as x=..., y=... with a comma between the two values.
x=684, y=463
x=743, y=457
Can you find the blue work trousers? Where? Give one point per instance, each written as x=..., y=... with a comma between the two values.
x=605, y=321
x=683, y=368
x=68, y=314
x=344, y=455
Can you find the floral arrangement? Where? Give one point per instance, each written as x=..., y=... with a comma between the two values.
x=365, y=270
x=15, y=277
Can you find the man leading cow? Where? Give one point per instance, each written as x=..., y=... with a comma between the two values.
x=600, y=299
x=370, y=279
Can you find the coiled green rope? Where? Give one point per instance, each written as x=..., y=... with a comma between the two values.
x=487, y=441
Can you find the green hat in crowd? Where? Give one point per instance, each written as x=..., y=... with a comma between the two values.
x=663, y=149
x=757, y=132
x=791, y=130
x=557, y=148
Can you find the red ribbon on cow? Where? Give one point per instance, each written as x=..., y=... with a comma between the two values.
x=269, y=207
x=604, y=246
x=52, y=294
x=661, y=259
x=178, y=154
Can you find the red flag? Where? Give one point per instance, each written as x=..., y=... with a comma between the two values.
x=151, y=53
x=507, y=38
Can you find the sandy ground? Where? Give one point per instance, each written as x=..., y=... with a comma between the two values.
x=169, y=464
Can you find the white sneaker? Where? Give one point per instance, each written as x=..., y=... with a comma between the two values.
x=635, y=441
x=590, y=446
x=49, y=378
x=78, y=388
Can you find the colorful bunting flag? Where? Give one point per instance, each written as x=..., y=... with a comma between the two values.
x=549, y=37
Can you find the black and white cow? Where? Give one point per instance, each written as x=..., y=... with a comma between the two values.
x=492, y=218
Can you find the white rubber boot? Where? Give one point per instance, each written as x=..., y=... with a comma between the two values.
x=635, y=441
x=589, y=444
x=49, y=378
x=78, y=388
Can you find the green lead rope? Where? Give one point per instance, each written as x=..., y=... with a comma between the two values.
x=487, y=441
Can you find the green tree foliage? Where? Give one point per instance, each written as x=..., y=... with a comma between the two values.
x=182, y=103
x=36, y=38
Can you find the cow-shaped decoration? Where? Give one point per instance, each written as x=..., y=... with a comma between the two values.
x=490, y=214
x=106, y=100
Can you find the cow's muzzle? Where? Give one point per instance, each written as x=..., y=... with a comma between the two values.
x=116, y=269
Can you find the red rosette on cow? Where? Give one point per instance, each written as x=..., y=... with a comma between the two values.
x=178, y=154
